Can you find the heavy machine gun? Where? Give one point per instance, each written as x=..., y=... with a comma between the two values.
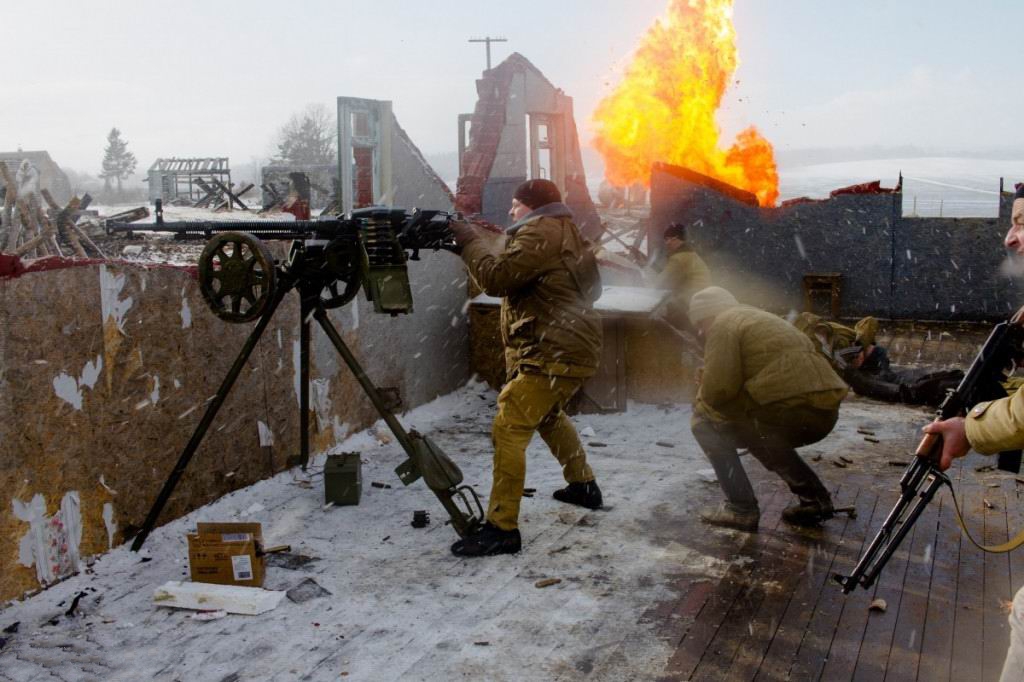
x=328, y=261
x=923, y=478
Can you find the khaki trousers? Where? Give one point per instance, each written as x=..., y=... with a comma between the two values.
x=529, y=403
x=1013, y=669
x=771, y=436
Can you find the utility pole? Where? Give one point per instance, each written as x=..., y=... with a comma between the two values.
x=488, y=40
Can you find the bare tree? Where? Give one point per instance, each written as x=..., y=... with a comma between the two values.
x=309, y=137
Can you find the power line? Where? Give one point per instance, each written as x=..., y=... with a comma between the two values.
x=488, y=40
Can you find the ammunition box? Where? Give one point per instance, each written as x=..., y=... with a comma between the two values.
x=343, y=478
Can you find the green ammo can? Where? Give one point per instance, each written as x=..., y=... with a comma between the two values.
x=343, y=478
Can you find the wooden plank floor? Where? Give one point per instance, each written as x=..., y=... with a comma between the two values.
x=777, y=614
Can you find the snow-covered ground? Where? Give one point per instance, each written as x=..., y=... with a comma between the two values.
x=401, y=606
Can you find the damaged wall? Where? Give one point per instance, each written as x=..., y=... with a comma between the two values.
x=106, y=369
x=891, y=266
x=522, y=127
x=379, y=164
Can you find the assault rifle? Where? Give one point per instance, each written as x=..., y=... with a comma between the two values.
x=923, y=478
x=330, y=259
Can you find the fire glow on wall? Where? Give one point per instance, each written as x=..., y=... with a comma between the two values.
x=664, y=108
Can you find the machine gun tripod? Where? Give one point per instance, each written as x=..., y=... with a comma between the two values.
x=328, y=262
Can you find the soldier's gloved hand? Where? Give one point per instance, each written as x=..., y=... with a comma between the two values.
x=464, y=231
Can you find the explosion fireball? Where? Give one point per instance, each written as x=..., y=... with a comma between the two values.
x=664, y=108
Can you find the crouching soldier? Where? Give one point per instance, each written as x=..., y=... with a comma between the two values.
x=547, y=277
x=764, y=388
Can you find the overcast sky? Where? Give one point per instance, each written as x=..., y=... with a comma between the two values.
x=212, y=78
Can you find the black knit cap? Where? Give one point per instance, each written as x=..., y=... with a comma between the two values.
x=677, y=230
x=1020, y=191
x=537, y=193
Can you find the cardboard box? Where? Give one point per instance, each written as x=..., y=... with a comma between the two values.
x=227, y=554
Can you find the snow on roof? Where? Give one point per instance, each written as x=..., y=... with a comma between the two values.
x=614, y=299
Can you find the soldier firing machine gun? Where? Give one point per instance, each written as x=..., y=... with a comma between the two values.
x=923, y=478
x=329, y=260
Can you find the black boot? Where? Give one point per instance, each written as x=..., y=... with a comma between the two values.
x=584, y=494
x=488, y=541
x=808, y=512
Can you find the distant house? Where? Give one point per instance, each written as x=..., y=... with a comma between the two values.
x=183, y=179
x=51, y=177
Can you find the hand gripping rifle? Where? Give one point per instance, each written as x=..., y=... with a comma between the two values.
x=922, y=478
x=330, y=259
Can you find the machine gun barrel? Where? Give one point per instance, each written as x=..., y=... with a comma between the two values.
x=922, y=479
x=415, y=230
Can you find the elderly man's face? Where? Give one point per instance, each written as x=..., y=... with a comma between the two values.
x=518, y=210
x=1015, y=237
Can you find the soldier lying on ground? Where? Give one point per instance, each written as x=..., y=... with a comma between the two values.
x=865, y=365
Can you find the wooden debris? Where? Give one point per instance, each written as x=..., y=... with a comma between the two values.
x=878, y=605
x=816, y=458
x=7, y=217
x=839, y=463
x=597, y=444
x=984, y=468
x=482, y=643
x=846, y=459
x=129, y=216
x=547, y=582
x=664, y=444
x=897, y=463
x=865, y=432
x=871, y=440
x=988, y=505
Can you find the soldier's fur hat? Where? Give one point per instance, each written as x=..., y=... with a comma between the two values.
x=710, y=302
x=677, y=230
x=537, y=193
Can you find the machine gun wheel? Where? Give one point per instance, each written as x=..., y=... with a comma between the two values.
x=341, y=257
x=237, y=276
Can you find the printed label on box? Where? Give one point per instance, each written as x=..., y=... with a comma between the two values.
x=235, y=537
x=241, y=566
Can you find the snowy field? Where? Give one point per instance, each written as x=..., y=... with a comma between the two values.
x=954, y=187
x=401, y=606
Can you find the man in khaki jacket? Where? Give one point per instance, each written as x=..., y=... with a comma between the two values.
x=547, y=277
x=989, y=428
x=764, y=388
x=685, y=274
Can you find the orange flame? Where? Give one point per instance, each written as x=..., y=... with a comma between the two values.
x=664, y=108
